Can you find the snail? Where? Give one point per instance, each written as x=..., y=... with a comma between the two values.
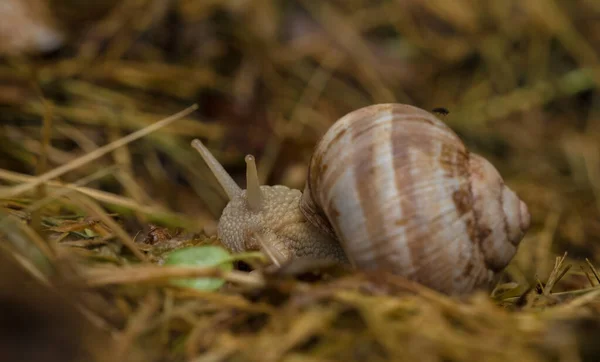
x=389, y=187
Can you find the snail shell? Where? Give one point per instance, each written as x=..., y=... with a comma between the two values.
x=389, y=187
x=402, y=193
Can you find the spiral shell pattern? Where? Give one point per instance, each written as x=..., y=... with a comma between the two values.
x=395, y=184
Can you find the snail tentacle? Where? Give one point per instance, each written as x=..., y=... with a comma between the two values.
x=227, y=183
x=254, y=195
x=267, y=243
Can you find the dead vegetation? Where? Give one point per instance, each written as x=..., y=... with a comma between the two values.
x=86, y=218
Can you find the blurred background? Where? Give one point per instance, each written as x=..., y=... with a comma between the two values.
x=518, y=81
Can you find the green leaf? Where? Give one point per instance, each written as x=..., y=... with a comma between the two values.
x=207, y=256
x=90, y=233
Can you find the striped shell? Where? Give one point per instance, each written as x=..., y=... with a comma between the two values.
x=401, y=192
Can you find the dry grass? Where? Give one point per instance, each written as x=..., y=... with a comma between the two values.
x=77, y=215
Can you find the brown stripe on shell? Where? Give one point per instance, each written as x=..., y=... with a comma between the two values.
x=488, y=213
x=336, y=190
x=404, y=143
x=316, y=171
x=312, y=177
x=471, y=223
x=318, y=166
x=455, y=162
x=376, y=185
x=437, y=261
x=481, y=230
x=343, y=128
x=363, y=162
x=463, y=196
x=462, y=200
x=502, y=214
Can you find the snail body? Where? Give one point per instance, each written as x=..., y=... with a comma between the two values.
x=389, y=187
